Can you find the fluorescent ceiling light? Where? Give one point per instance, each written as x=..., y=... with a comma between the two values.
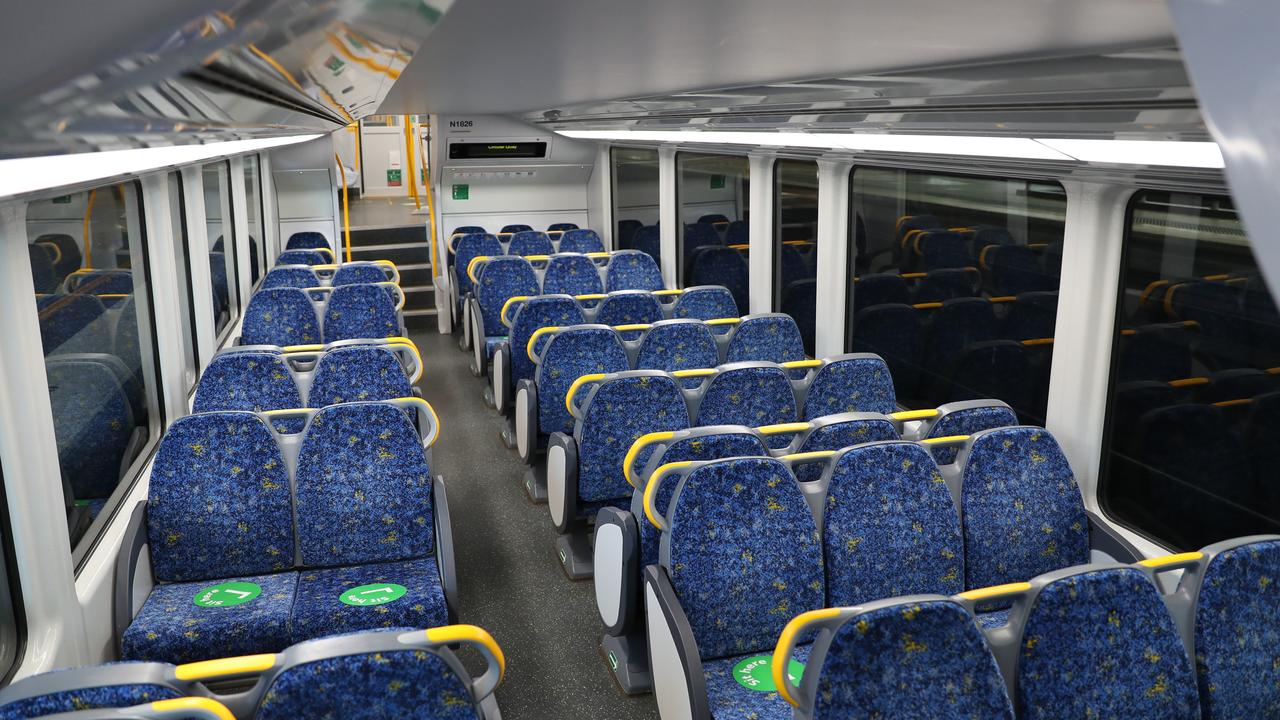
x=25, y=175
x=1122, y=152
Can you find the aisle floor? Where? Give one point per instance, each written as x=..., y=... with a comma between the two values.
x=509, y=577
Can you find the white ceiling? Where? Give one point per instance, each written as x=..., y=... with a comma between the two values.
x=511, y=56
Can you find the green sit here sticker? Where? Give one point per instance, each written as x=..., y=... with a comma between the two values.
x=756, y=673
x=370, y=595
x=227, y=594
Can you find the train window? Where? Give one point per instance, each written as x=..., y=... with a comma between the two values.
x=89, y=259
x=713, y=192
x=1195, y=386
x=182, y=254
x=956, y=284
x=253, y=213
x=795, y=239
x=635, y=199
x=222, y=250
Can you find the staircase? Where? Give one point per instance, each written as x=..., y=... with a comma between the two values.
x=409, y=248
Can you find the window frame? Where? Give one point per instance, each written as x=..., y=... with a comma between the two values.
x=615, y=216
x=679, y=249
x=228, y=241
x=183, y=260
x=776, y=251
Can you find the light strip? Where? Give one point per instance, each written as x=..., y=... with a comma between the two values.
x=1116, y=152
x=25, y=175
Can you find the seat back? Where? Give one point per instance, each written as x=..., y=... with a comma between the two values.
x=968, y=417
x=632, y=270
x=72, y=323
x=773, y=337
x=959, y=323
x=850, y=383
x=677, y=345
x=568, y=355
x=42, y=271
x=307, y=240
x=301, y=257
x=218, y=502
x=294, y=276
x=530, y=242
x=116, y=685
x=892, y=332
x=1156, y=352
x=1032, y=315
x=696, y=236
x=615, y=413
x=629, y=308
x=1015, y=269
x=750, y=394
x=282, y=316
x=93, y=422
x=502, y=278
x=357, y=373
x=561, y=227
x=249, y=380
x=364, y=490
x=648, y=240
x=358, y=273
x=947, y=283
x=467, y=248
x=996, y=368
x=1023, y=513
x=720, y=266
x=738, y=233
x=70, y=257
x=880, y=289
x=800, y=301
x=835, y=432
x=743, y=553
x=571, y=274
x=101, y=282
x=360, y=311
x=937, y=249
x=705, y=302
x=514, y=228
x=581, y=241
x=533, y=315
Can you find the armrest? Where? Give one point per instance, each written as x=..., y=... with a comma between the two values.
x=135, y=538
x=562, y=480
x=479, y=360
x=678, y=678
x=479, y=639
x=501, y=376
x=444, y=547
x=1104, y=538
x=526, y=420
x=616, y=558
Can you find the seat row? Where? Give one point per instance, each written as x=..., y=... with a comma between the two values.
x=397, y=673
x=1101, y=640
x=348, y=273
x=924, y=243
x=538, y=242
x=1237, y=318
x=252, y=539
x=314, y=256
x=288, y=316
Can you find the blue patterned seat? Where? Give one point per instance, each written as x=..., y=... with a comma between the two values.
x=993, y=369
x=42, y=273
x=947, y=283
x=751, y=395
x=301, y=257
x=880, y=289
x=101, y=282
x=720, y=266
x=705, y=302
x=1032, y=315
x=677, y=345
x=581, y=241
x=891, y=331
x=958, y=324
x=69, y=257
x=218, y=510
x=307, y=240
x=515, y=228
x=72, y=323
x=891, y=527
x=359, y=311
x=1015, y=269
x=364, y=502
x=356, y=374
x=648, y=240
x=467, y=248
x=918, y=658
x=629, y=308
x=938, y=249
x=294, y=276
x=533, y=315
x=502, y=278
x=571, y=275
x=568, y=355
x=280, y=316
x=1099, y=643
x=965, y=418
x=561, y=227
x=252, y=381
x=1023, y=514
x=93, y=423
x=850, y=383
x=358, y=273
x=88, y=688
x=713, y=219
x=835, y=432
x=468, y=230
x=632, y=270
x=221, y=289
x=772, y=337
x=738, y=233
x=695, y=237
x=800, y=301
x=530, y=242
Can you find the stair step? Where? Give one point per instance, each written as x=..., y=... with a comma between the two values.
x=403, y=235
x=400, y=255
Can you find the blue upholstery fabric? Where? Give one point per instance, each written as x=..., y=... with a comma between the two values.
x=772, y=337
x=71, y=258
x=1032, y=315
x=705, y=447
x=515, y=228
x=220, y=288
x=695, y=237
x=353, y=374
x=280, y=316
x=92, y=422
x=581, y=241
x=359, y=311
x=571, y=275
x=855, y=384
x=720, y=266
x=942, y=249
x=102, y=282
x=841, y=434
x=1195, y=445
x=363, y=488
x=891, y=527
x=534, y=314
x=306, y=241
x=751, y=396
x=912, y=660
x=993, y=619
x=632, y=270
x=88, y=698
x=1022, y=510
x=993, y=369
x=570, y=354
x=1015, y=269
x=562, y=226
x=892, y=332
x=172, y=628
x=501, y=279
x=620, y=411
x=880, y=289
x=969, y=421
x=738, y=233
x=468, y=230
x=729, y=700
x=678, y=345
x=960, y=322
x=705, y=302
x=1237, y=631
x=358, y=273
x=369, y=686
x=745, y=556
x=42, y=274
x=800, y=301
x=793, y=265
x=301, y=257
x=319, y=611
x=1101, y=644
x=218, y=504
x=253, y=381
x=294, y=276
x=945, y=284
x=629, y=308
x=530, y=242
x=467, y=249
x=648, y=240
x=72, y=324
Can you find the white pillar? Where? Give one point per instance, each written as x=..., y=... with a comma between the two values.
x=668, y=213
x=834, y=277
x=761, y=232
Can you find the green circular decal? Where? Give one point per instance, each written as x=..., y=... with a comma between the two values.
x=375, y=594
x=227, y=594
x=756, y=673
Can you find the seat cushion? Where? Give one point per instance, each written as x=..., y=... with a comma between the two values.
x=320, y=610
x=86, y=698
x=729, y=699
x=172, y=628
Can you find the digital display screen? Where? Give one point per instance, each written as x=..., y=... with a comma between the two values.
x=482, y=150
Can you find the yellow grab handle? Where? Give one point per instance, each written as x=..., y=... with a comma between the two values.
x=573, y=389
x=651, y=491
x=475, y=635
x=786, y=646
x=641, y=443
x=533, y=339
x=225, y=667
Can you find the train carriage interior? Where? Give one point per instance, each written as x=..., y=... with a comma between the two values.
x=682, y=359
